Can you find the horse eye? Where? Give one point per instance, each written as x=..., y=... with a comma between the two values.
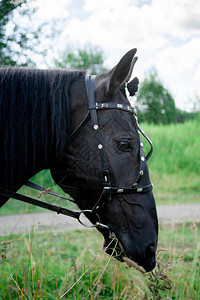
x=124, y=145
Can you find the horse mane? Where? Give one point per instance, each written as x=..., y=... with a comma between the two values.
x=34, y=115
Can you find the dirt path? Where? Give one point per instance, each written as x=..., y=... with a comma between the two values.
x=175, y=214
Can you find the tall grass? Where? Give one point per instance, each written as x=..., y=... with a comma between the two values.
x=176, y=147
x=174, y=166
x=55, y=266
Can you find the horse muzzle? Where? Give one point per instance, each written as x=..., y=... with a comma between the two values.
x=143, y=258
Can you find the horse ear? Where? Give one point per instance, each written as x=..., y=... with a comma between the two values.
x=121, y=72
x=133, y=86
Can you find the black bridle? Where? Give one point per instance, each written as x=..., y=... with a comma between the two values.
x=108, y=190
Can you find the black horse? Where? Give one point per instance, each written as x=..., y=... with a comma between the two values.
x=93, y=150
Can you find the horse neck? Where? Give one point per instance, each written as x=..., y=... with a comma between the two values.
x=34, y=123
x=27, y=149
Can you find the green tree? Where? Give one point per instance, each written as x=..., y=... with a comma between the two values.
x=9, y=53
x=88, y=59
x=155, y=104
x=19, y=43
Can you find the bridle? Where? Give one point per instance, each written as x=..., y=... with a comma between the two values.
x=108, y=190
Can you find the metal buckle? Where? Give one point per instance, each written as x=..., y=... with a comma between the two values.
x=119, y=105
x=104, y=105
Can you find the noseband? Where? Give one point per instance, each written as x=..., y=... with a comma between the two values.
x=108, y=190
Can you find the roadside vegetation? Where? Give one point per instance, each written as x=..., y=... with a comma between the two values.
x=174, y=166
x=54, y=266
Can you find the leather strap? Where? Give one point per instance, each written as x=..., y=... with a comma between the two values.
x=58, y=209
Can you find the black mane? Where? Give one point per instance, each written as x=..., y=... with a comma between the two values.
x=34, y=115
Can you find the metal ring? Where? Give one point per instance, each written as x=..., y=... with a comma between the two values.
x=82, y=212
x=97, y=224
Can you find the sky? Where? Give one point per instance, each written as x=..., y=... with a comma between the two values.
x=166, y=34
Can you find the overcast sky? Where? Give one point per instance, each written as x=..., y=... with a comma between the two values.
x=165, y=32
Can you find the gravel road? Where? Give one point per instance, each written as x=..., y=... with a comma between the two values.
x=174, y=214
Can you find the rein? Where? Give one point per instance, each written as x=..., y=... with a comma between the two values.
x=108, y=191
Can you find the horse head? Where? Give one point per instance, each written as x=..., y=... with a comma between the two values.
x=104, y=167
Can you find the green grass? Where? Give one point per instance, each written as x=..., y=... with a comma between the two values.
x=174, y=167
x=176, y=148
x=47, y=266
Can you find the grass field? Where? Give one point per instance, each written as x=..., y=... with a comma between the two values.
x=174, y=167
x=72, y=265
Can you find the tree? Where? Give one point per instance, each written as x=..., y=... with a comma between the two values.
x=88, y=59
x=19, y=43
x=8, y=53
x=155, y=104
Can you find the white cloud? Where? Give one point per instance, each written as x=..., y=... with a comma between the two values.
x=93, y=6
x=51, y=9
x=166, y=33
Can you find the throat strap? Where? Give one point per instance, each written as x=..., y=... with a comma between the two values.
x=42, y=189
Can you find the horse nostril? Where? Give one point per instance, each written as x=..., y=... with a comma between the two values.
x=150, y=251
x=150, y=259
